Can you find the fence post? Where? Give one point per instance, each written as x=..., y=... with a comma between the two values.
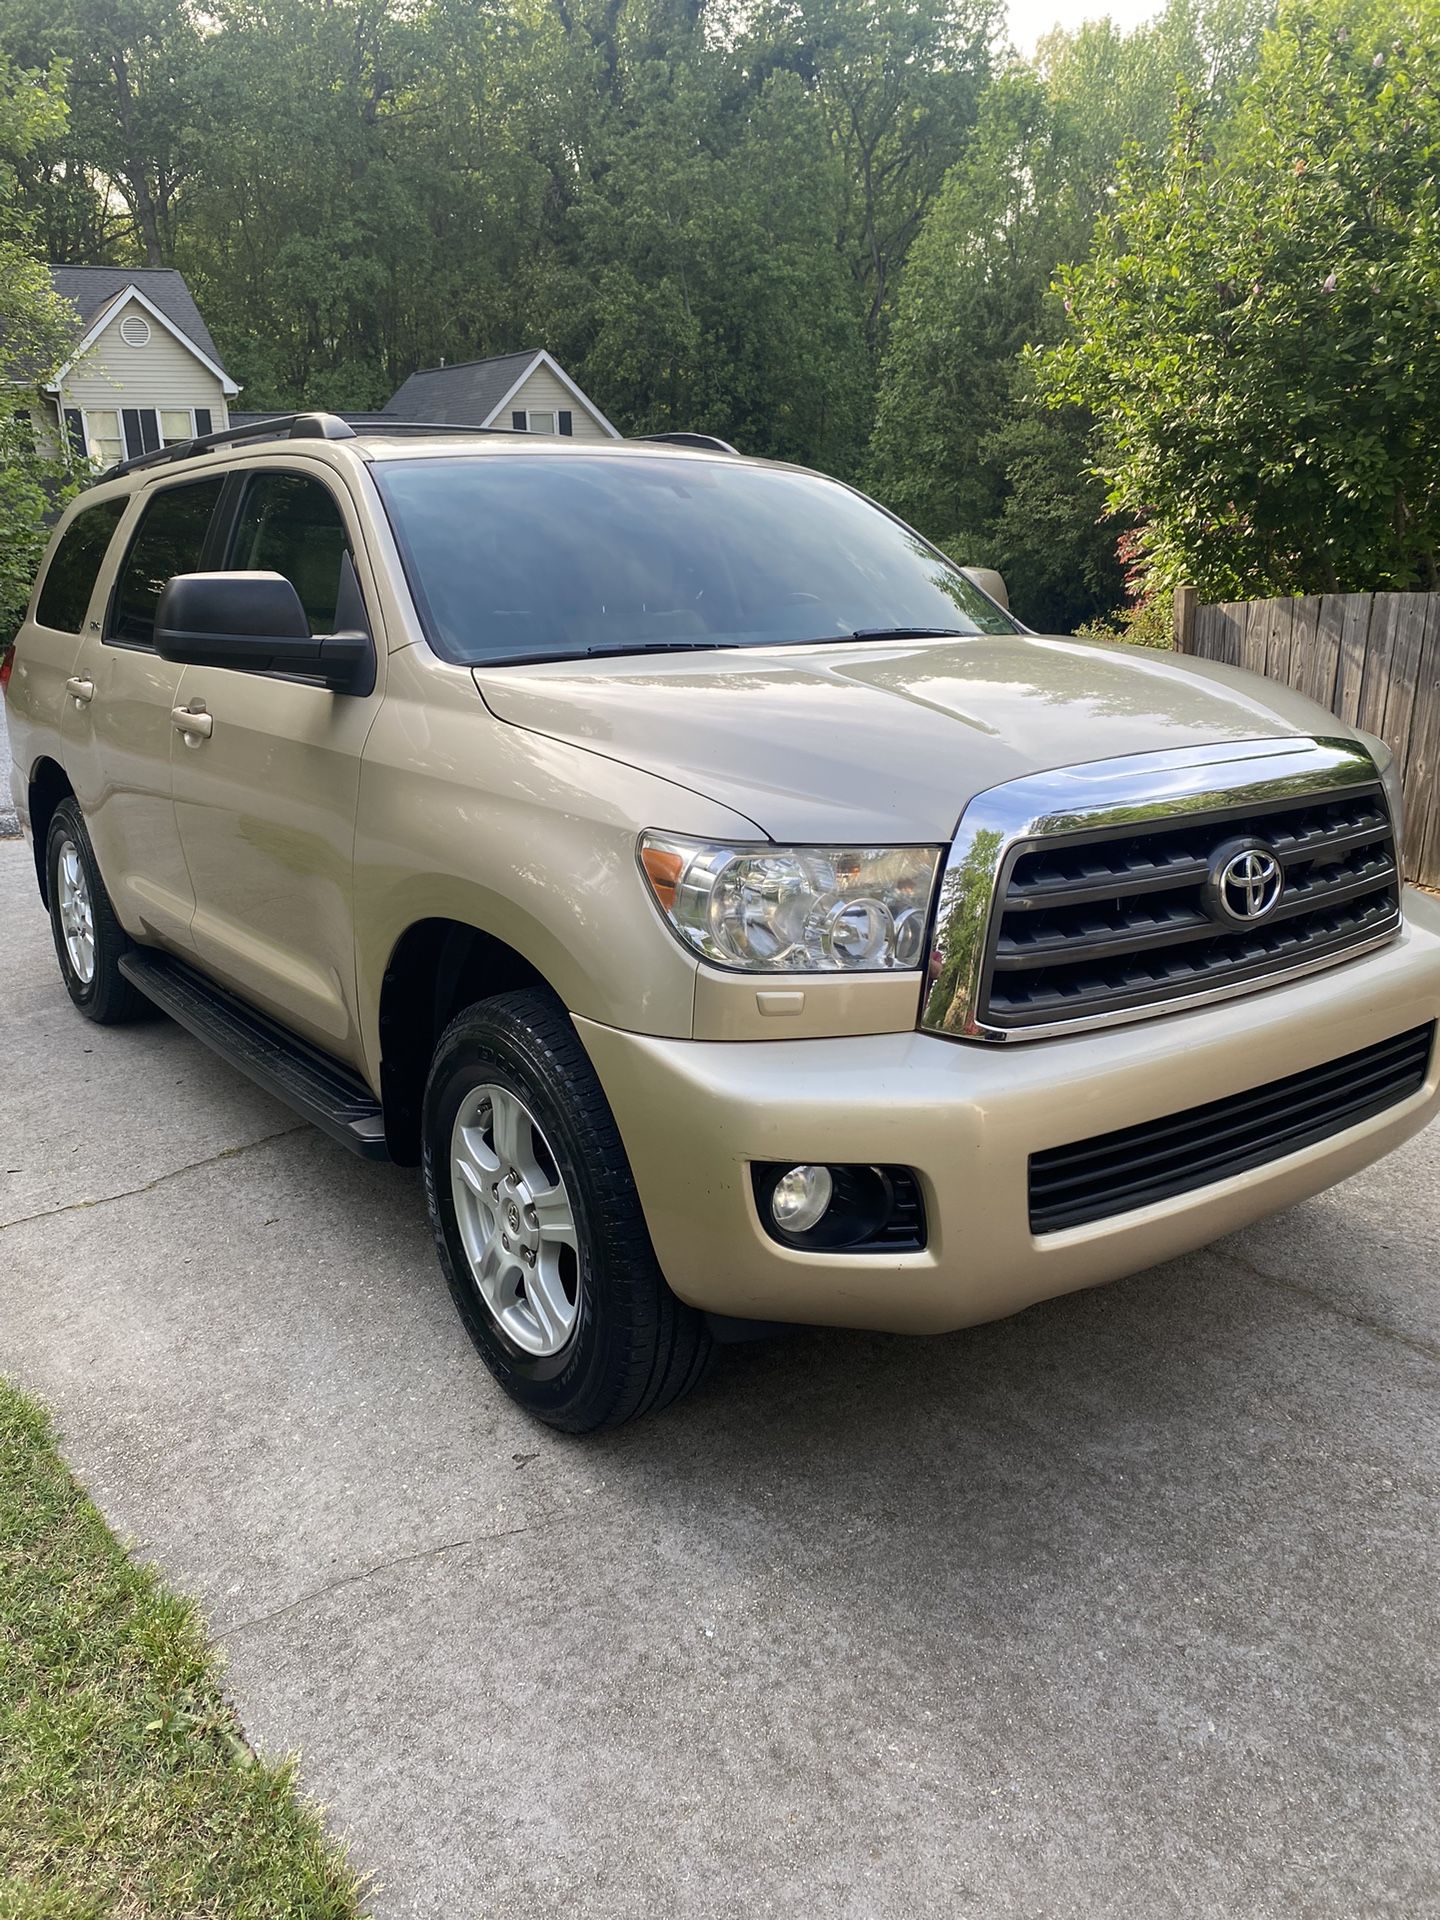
x=1185, y=601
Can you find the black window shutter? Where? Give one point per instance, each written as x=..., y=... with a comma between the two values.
x=565, y=422
x=142, y=430
x=520, y=421
x=202, y=420
x=75, y=431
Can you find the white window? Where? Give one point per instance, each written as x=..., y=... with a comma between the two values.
x=120, y=433
x=524, y=420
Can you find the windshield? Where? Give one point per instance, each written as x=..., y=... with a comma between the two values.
x=545, y=556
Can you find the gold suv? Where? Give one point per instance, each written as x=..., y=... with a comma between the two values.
x=735, y=911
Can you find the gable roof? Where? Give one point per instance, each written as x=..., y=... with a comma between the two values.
x=88, y=289
x=473, y=392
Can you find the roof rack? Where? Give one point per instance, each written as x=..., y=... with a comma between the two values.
x=280, y=426
x=292, y=426
x=334, y=426
x=710, y=441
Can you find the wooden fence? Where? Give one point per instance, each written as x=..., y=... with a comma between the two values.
x=1372, y=658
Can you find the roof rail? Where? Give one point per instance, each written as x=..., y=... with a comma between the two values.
x=373, y=425
x=279, y=426
x=290, y=426
x=711, y=441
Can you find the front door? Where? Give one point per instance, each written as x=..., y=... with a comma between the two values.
x=266, y=800
x=119, y=722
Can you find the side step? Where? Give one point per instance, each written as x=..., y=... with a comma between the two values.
x=329, y=1095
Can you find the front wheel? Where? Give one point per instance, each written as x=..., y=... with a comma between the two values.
x=539, y=1227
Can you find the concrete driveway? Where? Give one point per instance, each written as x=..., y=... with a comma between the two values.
x=1126, y=1607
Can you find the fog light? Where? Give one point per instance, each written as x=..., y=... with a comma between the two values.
x=800, y=1198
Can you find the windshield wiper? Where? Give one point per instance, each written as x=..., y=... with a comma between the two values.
x=617, y=652
x=908, y=633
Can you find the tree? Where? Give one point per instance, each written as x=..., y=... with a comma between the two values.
x=1255, y=330
x=899, y=84
x=716, y=304
x=109, y=180
x=34, y=326
x=958, y=446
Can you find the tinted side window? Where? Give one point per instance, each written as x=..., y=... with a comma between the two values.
x=75, y=565
x=291, y=524
x=169, y=539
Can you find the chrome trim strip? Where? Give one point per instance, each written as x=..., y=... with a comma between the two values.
x=1101, y=796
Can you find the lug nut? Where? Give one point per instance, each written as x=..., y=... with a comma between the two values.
x=527, y=1254
x=505, y=1241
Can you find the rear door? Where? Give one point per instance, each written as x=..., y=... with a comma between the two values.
x=119, y=722
x=266, y=800
x=46, y=680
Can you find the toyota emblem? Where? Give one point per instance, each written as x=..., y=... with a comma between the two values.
x=1244, y=884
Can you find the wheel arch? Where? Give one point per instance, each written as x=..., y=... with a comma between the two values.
x=49, y=785
x=436, y=967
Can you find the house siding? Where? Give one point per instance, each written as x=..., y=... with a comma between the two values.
x=162, y=373
x=543, y=393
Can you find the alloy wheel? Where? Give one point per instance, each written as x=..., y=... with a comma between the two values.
x=516, y=1221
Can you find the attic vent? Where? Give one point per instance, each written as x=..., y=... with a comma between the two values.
x=135, y=330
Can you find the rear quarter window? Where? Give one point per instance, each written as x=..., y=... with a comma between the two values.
x=75, y=566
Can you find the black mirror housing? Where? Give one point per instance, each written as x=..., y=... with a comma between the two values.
x=254, y=623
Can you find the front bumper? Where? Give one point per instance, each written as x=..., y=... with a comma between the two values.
x=967, y=1117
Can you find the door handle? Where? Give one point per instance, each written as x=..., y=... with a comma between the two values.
x=81, y=691
x=193, y=720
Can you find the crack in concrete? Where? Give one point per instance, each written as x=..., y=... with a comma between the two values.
x=1427, y=1349
x=173, y=1173
x=381, y=1566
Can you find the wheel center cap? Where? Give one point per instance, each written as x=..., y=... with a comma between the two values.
x=512, y=1217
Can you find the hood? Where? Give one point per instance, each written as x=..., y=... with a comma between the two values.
x=887, y=741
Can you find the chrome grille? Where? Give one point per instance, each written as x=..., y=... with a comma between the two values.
x=1107, y=892
x=1109, y=924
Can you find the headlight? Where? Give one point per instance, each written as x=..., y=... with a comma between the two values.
x=795, y=909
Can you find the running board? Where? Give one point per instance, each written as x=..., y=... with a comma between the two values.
x=329, y=1095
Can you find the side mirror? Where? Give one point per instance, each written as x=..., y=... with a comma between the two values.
x=254, y=623
x=991, y=582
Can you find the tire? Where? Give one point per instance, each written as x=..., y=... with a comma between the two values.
x=630, y=1346
x=89, y=940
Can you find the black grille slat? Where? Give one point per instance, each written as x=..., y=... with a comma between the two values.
x=1031, y=945
x=1136, y=1166
x=1259, y=1102
x=1094, y=924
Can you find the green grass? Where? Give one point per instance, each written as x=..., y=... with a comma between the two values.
x=126, y=1788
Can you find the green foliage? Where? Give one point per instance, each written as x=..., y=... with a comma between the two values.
x=962, y=444
x=958, y=448
x=34, y=326
x=898, y=84
x=1255, y=330
x=713, y=308
x=830, y=230
x=127, y=1787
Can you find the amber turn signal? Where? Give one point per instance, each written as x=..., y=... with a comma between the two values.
x=663, y=869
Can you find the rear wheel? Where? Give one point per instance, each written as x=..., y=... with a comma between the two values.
x=89, y=940
x=539, y=1227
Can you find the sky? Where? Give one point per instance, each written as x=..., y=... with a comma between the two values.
x=1031, y=19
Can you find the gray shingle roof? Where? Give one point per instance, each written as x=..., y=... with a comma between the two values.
x=459, y=396
x=88, y=289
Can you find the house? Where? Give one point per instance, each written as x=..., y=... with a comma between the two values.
x=530, y=392
x=142, y=372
